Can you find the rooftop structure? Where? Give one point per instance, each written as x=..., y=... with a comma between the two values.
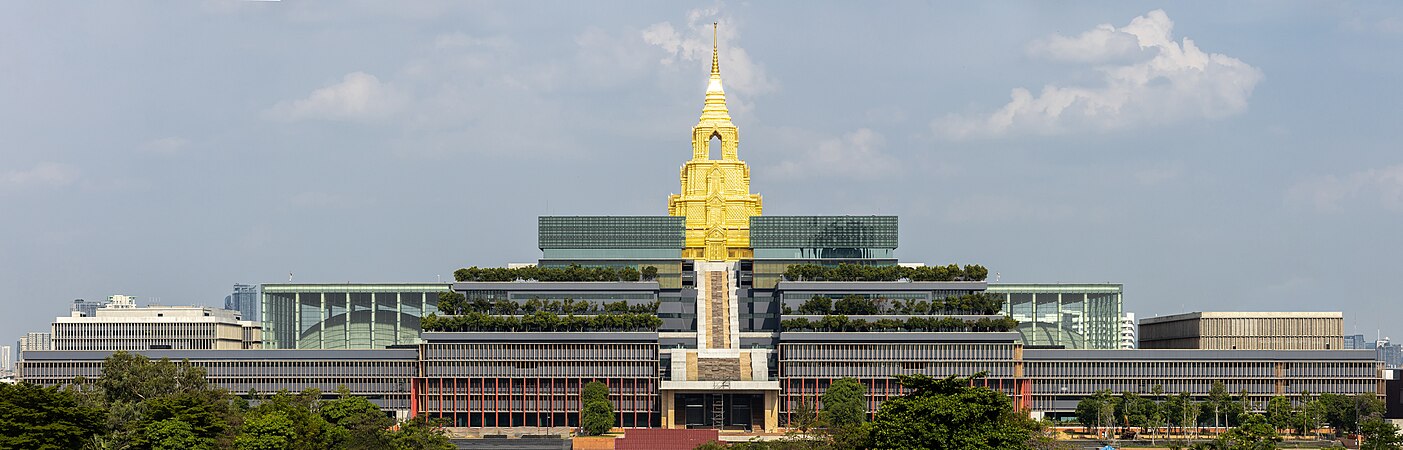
x=715, y=198
x=121, y=325
x=1078, y=316
x=1244, y=331
x=345, y=315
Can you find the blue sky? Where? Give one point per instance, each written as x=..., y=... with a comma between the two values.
x=1210, y=157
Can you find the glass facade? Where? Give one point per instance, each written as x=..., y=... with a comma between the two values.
x=823, y=237
x=337, y=316
x=1074, y=316
x=611, y=237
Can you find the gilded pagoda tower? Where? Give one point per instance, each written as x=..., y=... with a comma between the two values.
x=715, y=199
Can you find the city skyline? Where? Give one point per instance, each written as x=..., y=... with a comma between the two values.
x=310, y=145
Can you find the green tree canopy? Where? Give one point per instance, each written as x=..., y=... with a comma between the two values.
x=1379, y=434
x=33, y=417
x=845, y=403
x=1254, y=433
x=949, y=413
x=597, y=413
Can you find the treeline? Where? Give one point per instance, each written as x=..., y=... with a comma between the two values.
x=572, y=273
x=929, y=324
x=857, y=305
x=143, y=404
x=948, y=413
x=862, y=272
x=542, y=321
x=1109, y=414
x=453, y=303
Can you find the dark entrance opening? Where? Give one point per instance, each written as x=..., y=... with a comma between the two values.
x=723, y=411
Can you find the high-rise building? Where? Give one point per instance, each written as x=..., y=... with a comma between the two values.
x=33, y=340
x=7, y=359
x=86, y=308
x=1389, y=353
x=122, y=325
x=1129, y=332
x=244, y=300
x=1356, y=342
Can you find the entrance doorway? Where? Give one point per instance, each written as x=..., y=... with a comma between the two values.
x=721, y=411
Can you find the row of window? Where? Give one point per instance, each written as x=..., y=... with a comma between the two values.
x=533, y=369
x=543, y=352
x=896, y=352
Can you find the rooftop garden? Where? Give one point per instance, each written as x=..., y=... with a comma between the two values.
x=983, y=304
x=542, y=321
x=838, y=322
x=453, y=303
x=861, y=272
x=572, y=273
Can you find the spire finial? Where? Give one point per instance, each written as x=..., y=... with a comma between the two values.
x=715, y=60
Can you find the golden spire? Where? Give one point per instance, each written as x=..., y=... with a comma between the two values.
x=715, y=107
x=715, y=60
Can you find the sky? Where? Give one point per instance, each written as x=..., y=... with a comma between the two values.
x=1225, y=157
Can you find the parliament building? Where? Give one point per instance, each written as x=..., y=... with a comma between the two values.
x=741, y=336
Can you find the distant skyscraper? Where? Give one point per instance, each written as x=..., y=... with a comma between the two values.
x=244, y=300
x=86, y=308
x=1389, y=353
x=1356, y=342
x=6, y=359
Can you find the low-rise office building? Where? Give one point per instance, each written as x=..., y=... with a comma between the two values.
x=383, y=376
x=121, y=325
x=1244, y=331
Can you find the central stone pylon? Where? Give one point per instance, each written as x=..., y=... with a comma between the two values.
x=715, y=197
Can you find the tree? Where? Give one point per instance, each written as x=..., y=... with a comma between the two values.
x=845, y=403
x=452, y=303
x=596, y=413
x=363, y=421
x=1217, y=401
x=817, y=304
x=33, y=417
x=1378, y=434
x=271, y=431
x=132, y=378
x=649, y=273
x=1089, y=410
x=418, y=433
x=855, y=305
x=629, y=274
x=950, y=413
x=284, y=414
x=1254, y=433
x=1343, y=412
x=172, y=434
x=1280, y=414
x=845, y=412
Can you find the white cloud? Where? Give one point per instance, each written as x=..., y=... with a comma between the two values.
x=170, y=145
x=1331, y=193
x=1179, y=82
x=856, y=155
x=691, y=46
x=50, y=174
x=358, y=97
